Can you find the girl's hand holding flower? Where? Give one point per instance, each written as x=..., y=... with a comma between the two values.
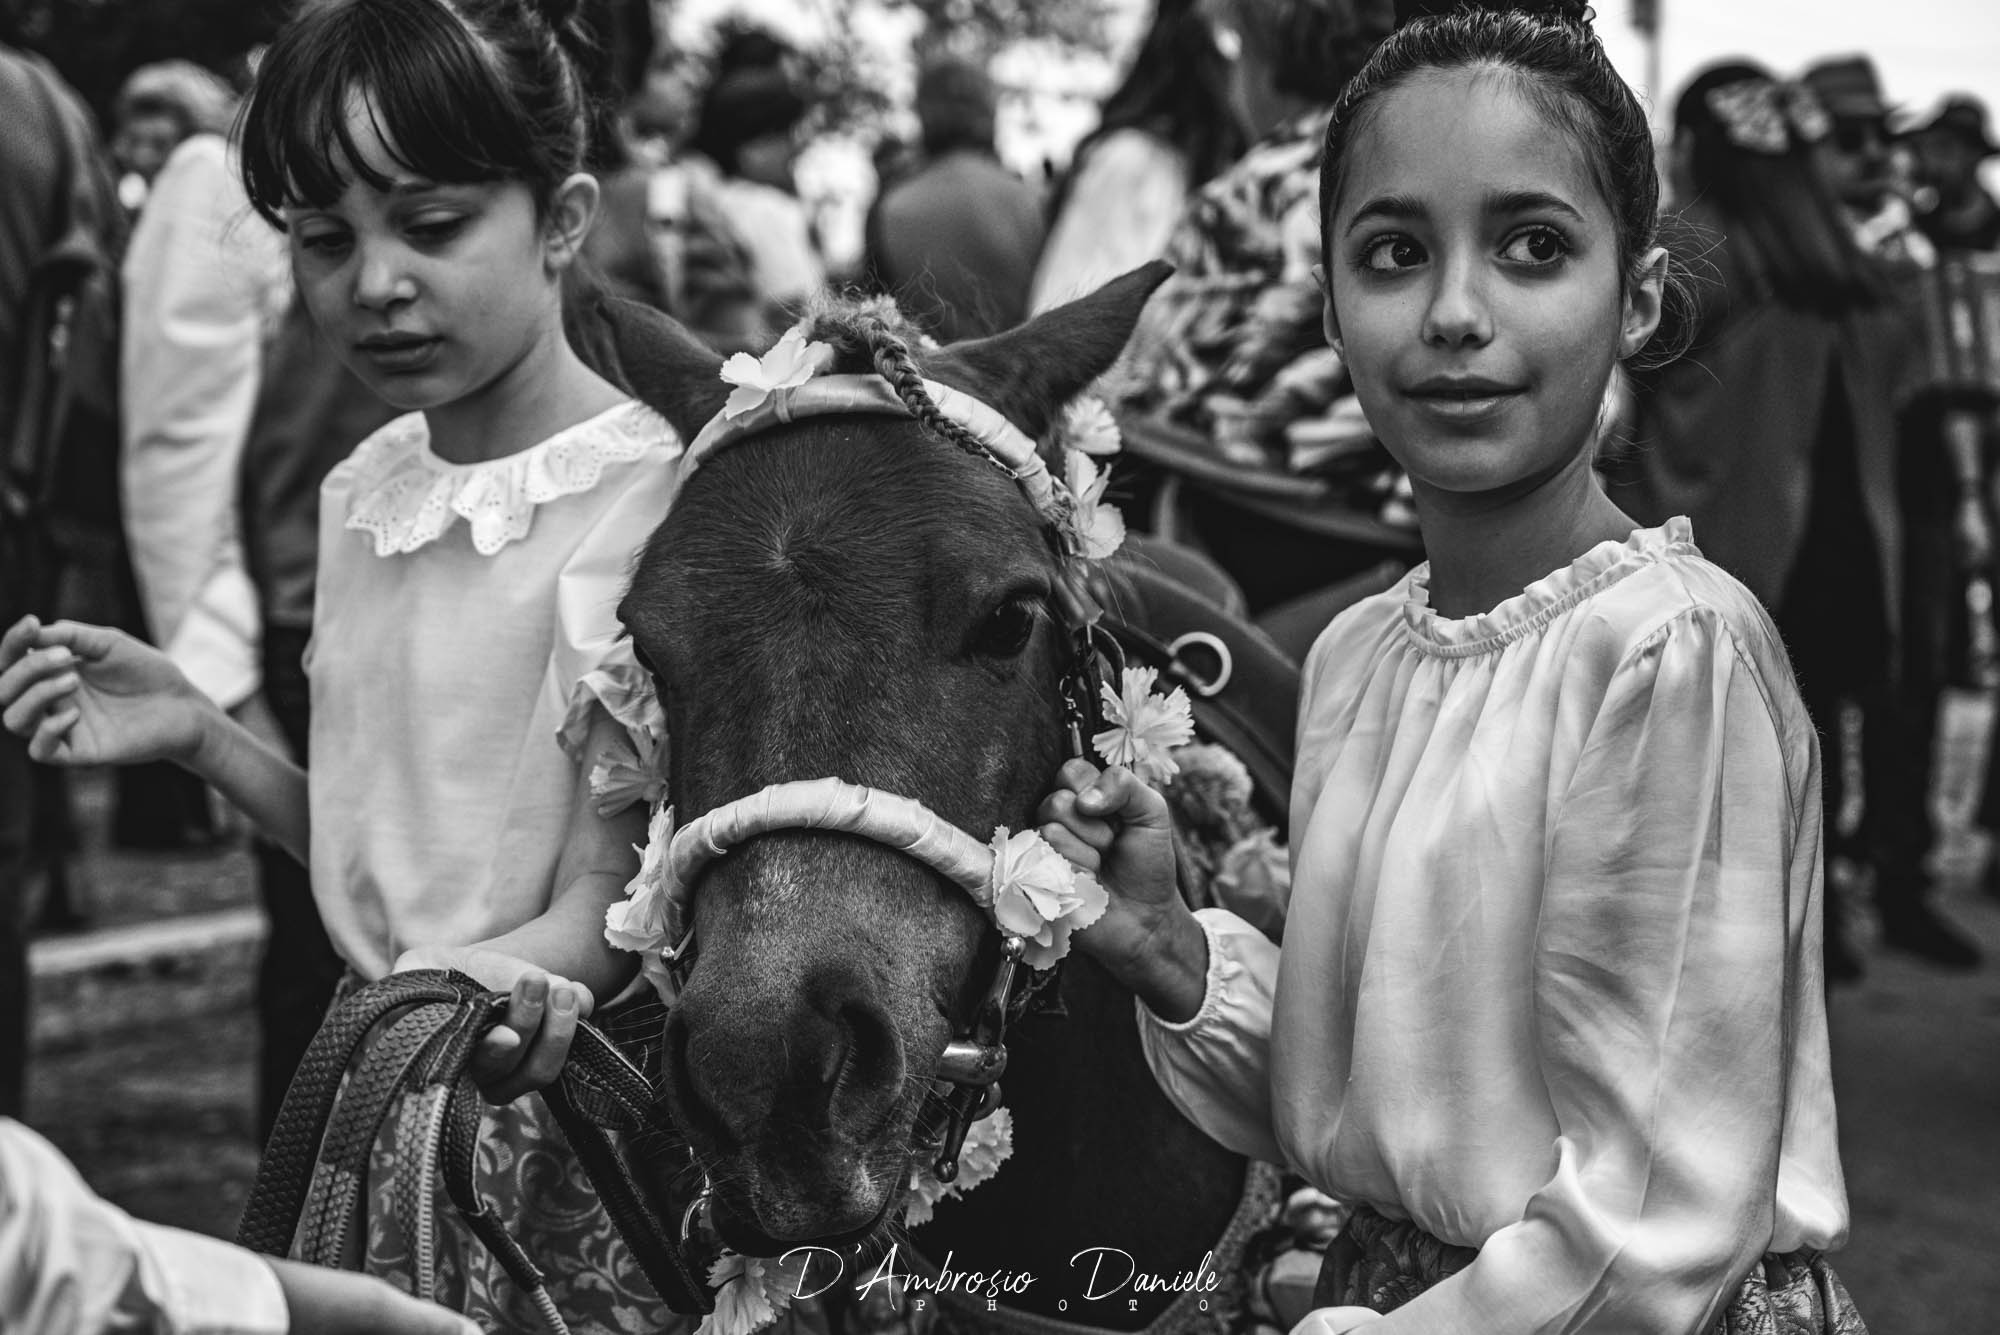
x=1117, y=828
x=527, y=1049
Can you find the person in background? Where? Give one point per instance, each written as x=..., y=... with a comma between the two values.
x=747, y=132
x=1858, y=160
x=205, y=284
x=1962, y=393
x=158, y=107
x=1946, y=530
x=620, y=246
x=1169, y=127
x=56, y=184
x=1231, y=348
x=955, y=239
x=1950, y=148
x=1776, y=434
x=74, y=1264
x=1242, y=304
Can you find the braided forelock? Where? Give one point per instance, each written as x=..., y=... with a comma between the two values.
x=875, y=335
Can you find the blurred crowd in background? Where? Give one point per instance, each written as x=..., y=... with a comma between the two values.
x=1831, y=430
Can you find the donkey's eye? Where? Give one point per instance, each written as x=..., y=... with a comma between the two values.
x=1007, y=632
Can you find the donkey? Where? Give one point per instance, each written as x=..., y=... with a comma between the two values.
x=852, y=596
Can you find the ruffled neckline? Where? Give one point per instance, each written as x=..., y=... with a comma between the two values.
x=405, y=497
x=1544, y=600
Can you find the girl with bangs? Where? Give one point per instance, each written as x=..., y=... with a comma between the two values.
x=424, y=158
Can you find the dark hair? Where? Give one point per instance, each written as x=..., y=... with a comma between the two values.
x=1177, y=89
x=1563, y=70
x=956, y=105
x=1313, y=47
x=751, y=93
x=1783, y=231
x=462, y=90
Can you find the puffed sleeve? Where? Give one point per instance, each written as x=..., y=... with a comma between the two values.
x=592, y=663
x=1671, y=930
x=1216, y=1067
x=72, y=1262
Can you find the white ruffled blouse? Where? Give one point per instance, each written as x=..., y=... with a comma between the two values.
x=1550, y=985
x=453, y=665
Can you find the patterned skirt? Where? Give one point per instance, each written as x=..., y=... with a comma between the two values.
x=1382, y=1263
x=528, y=1176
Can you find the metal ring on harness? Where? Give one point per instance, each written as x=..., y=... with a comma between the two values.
x=1225, y=663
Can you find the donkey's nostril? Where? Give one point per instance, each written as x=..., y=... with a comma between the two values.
x=875, y=1049
x=866, y=1063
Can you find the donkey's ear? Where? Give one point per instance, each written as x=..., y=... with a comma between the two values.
x=666, y=367
x=1030, y=371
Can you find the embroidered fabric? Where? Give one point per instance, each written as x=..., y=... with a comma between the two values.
x=406, y=497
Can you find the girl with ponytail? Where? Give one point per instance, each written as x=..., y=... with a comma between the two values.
x=426, y=160
x=1549, y=1012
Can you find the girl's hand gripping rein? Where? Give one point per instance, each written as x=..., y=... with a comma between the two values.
x=524, y=1052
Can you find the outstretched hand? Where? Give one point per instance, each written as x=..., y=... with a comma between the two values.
x=1111, y=824
x=90, y=695
x=527, y=1049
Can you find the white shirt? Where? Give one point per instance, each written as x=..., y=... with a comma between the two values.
x=205, y=281
x=1551, y=980
x=1120, y=212
x=466, y=619
x=74, y=1264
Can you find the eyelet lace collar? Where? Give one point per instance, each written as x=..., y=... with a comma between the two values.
x=406, y=497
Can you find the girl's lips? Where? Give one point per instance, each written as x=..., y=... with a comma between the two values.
x=400, y=356
x=1466, y=406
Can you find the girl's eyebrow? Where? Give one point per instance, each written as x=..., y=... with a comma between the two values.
x=1509, y=202
x=1501, y=203
x=1396, y=208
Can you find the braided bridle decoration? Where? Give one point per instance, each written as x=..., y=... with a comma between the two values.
x=895, y=363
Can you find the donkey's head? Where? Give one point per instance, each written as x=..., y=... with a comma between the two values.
x=865, y=597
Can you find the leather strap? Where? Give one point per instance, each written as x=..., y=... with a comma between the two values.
x=316, y=1164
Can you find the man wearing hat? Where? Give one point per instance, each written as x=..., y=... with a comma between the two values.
x=1949, y=149
x=1856, y=160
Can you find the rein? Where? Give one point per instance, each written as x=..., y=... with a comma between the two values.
x=424, y=1025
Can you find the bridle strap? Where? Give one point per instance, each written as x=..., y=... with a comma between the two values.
x=901, y=823
x=1005, y=444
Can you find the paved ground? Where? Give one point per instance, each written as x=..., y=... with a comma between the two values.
x=159, y=1118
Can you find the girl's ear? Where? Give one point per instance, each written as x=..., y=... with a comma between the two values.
x=1328, y=321
x=571, y=212
x=1644, y=296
